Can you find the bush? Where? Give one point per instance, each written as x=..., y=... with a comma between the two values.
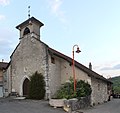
x=37, y=86
x=66, y=91
x=83, y=89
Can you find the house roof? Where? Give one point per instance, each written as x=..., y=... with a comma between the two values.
x=79, y=65
x=27, y=22
x=3, y=65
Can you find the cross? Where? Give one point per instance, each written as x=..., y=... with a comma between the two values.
x=28, y=11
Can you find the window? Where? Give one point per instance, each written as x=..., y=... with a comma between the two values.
x=26, y=31
x=98, y=86
x=53, y=60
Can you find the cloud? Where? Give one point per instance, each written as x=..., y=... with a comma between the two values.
x=108, y=69
x=4, y=2
x=5, y=49
x=55, y=6
x=117, y=66
x=7, y=43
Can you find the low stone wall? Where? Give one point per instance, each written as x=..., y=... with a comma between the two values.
x=76, y=104
x=57, y=102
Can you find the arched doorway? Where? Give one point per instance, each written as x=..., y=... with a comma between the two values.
x=26, y=87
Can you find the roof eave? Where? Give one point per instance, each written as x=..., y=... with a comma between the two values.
x=27, y=22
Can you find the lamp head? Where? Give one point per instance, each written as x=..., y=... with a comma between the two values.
x=78, y=50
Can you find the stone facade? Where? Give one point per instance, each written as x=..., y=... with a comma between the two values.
x=7, y=82
x=1, y=75
x=54, y=74
x=61, y=71
x=29, y=57
x=3, y=66
x=99, y=91
x=66, y=72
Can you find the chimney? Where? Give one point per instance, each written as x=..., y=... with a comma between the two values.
x=90, y=66
x=2, y=60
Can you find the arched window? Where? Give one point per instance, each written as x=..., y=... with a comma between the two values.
x=26, y=31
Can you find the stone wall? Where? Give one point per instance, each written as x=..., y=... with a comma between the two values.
x=54, y=74
x=66, y=72
x=1, y=75
x=61, y=71
x=29, y=56
x=77, y=104
x=7, y=82
x=99, y=91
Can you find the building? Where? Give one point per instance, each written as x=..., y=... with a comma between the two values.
x=3, y=66
x=31, y=55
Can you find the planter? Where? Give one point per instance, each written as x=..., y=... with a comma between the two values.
x=57, y=102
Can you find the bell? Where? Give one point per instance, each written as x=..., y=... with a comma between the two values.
x=78, y=50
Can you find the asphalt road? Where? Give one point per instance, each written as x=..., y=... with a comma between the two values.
x=34, y=106
x=112, y=106
x=27, y=106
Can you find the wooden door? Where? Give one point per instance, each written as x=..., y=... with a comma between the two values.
x=26, y=87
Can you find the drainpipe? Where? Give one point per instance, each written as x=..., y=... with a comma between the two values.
x=47, y=75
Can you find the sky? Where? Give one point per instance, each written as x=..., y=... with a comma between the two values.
x=94, y=25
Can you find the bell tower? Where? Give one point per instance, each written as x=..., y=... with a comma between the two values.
x=30, y=27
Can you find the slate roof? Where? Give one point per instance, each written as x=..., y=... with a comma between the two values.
x=3, y=65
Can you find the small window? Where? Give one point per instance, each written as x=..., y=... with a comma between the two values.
x=26, y=31
x=53, y=60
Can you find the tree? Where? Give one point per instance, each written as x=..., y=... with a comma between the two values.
x=37, y=86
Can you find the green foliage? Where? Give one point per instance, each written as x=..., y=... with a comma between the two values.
x=116, y=84
x=83, y=89
x=37, y=86
x=67, y=90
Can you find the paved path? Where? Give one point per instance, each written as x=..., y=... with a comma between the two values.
x=27, y=106
x=109, y=107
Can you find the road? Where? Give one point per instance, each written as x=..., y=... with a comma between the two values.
x=35, y=106
x=112, y=106
x=27, y=106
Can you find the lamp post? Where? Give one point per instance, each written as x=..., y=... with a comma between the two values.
x=73, y=65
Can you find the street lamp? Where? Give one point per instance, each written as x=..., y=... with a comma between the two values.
x=73, y=67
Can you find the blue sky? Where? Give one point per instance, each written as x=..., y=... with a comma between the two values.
x=92, y=24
